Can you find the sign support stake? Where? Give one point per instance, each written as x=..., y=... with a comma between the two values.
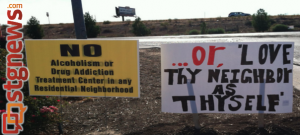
x=80, y=34
x=196, y=120
x=193, y=105
x=261, y=113
x=78, y=19
x=261, y=120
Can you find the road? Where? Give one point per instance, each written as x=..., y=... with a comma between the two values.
x=157, y=41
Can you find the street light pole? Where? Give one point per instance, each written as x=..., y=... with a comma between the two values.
x=49, y=22
x=48, y=17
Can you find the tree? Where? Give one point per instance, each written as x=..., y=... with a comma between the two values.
x=261, y=21
x=139, y=28
x=2, y=38
x=203, y=28
x=92, y=30
x=34, y=29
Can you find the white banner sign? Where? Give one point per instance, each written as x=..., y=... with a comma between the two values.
x=245, y=77
x=124, y=11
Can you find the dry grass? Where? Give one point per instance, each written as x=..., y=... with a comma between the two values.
x=175, y=27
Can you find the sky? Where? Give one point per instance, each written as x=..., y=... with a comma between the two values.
x=60, y=11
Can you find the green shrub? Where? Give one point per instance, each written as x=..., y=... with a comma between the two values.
x=4, y=26
x=176, y=20
x=164, y=25
x=152, y=28
x=128, y=21
x=248, y=23
x=170, y=20
x=106, y=22
x=282, y=16
x=3, y=29
x=190, y=23
x=216, y=31
x=289, y=22
x=203, y=28
x=139, y=28
x=42, y=112
x=92, y=30
x=272, y=21
x=2, y=42
x=194, y=32
x=3, y=100
x=34, y=29
x=280, y=27
x=107, y=31
x=261, y=21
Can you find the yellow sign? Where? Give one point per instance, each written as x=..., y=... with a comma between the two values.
x=93, y=68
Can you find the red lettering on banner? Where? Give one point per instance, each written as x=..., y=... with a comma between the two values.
x=212, y=52
x=196, y=61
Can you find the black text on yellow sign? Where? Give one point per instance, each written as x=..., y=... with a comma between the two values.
x=88, y=68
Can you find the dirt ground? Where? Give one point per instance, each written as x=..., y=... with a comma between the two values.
x=171, y=27
x=143, y=116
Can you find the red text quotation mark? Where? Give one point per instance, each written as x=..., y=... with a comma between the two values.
x=221, y=64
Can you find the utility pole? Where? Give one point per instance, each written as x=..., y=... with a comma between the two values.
x=78, y=19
